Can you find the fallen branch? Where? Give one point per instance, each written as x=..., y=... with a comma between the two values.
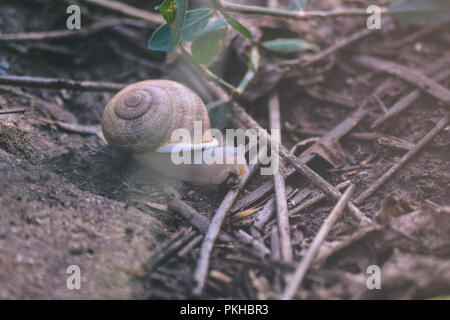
x=296, y=15
x=408, y=74
x=169, y=248
x=301, y=167
x=339, y=45
x=406, y=101
x=314, y=200
x=60, y=34
x=201, y=271
x=304, y=265
x=128, y=10
x=58, y=83
x=278, y=181
x=13, y=110
x=407, y=157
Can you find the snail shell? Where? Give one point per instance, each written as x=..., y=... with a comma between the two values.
x=141, y=117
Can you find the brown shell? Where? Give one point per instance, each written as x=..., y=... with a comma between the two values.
x=142, y=116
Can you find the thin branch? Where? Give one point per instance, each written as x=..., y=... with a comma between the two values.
x=201, y=271
x=169, y=249
x=407, y=157
x=314, y=200
x=408, y=74
x=60, y=34
x=304, y=265
x=58, y=83
x=200, y=223
x=340, y=44
x=296, y=15
x=13, y=110
x=128, y=10
x=279, y=183
x=407, y=100
x=301, y=167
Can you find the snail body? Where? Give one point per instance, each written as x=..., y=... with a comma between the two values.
x=142, y=118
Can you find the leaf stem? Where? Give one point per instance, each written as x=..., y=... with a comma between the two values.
x=208, y=74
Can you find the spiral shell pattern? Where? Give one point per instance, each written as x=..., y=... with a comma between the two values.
x=142, y=116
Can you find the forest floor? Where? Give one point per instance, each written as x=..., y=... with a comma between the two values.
x=67, y=198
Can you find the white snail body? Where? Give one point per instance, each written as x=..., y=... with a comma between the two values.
x=141, y=118
x=202, y=173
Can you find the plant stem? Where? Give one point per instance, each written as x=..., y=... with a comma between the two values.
x=297, y=15
x=208, y=74
x=253, y=66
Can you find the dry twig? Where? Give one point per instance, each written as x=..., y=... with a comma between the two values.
x=61, y=34
x=58, y=83
x=301, y=167
x=304, y=265
x=201, y=271
x=407, y=100
x=410, y=75
x=278, y=180
x=13, y=110
x=407, y=157
x=128, y=10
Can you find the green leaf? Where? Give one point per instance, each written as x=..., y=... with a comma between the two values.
x=289, y=45
x=297, y=5
x=210, y=42
x=236, y=25
x=194, y=24
x=168, y=9
x=420, y=11
x=177, y=30
x=218, y=116
x=160, y=38
x=196, y=20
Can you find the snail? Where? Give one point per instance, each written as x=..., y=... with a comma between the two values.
x=142, y=120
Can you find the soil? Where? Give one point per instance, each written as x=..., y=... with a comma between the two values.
x=69, y=199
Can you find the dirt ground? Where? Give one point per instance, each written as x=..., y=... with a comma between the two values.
x=69, y=199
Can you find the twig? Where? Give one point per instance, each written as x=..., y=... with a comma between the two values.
x=419, y=34
x=253, y=196
x=407, y=157
x=330, y=138
x=276, y=255
x=278, y=181
x=301, y=63
x=327, y=147
x=13, y=110
x=304, y=265
x=314, y=200
x=58, y=83
x=191, y=245
x=246, y=238
x=296, y=15
x=171, y=247
x=199, y=222
x=201, y=271
x=408, y=74
x=264, y=214
x=301, y=167
x=194, y=218
x=406, y=101
x=128, y=10
x=60, y=34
